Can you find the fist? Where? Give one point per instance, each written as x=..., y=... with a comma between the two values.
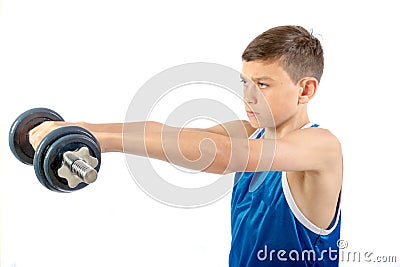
x=37, y=134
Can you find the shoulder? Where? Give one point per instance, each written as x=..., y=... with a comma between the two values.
x=325, y=145
x=308, y=149
x=315, y=137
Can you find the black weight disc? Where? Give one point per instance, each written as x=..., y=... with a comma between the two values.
x=44, y=145
x=53, y=159
x=19, y=132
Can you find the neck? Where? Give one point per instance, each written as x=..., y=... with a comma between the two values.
x=293, y=123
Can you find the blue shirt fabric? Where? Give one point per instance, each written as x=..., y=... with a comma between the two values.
x=268, y=229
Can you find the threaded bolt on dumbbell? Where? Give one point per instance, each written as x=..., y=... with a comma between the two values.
x=78, y=166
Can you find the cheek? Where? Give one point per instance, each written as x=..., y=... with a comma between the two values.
x=274, y=103
x=282, y=106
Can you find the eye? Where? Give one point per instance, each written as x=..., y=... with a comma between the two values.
x=263, y=85
x=244, y=82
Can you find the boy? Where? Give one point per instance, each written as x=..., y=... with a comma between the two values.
x=286, y=197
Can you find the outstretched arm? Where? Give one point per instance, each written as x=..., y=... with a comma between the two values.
x=199, y=149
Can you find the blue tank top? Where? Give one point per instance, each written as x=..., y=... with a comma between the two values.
x=268, y=229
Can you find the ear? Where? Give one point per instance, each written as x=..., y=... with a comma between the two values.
x=308, y=88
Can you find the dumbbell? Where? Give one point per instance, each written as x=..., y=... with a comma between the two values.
x=66, y=160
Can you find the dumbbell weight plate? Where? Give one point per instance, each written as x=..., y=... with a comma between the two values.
x=53, y=159
x=42, y=152
x=19, y=132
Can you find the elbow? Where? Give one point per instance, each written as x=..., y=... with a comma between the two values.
x=219, y=157
x=224, y=154
x=232, y=155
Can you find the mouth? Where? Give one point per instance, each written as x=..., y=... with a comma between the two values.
x=251, y=113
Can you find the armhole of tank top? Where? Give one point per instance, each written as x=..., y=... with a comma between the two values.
x=301, y=217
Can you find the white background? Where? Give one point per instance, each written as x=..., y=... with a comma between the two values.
x=86, y=59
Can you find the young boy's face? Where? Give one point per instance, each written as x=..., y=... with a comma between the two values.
x=268, y=90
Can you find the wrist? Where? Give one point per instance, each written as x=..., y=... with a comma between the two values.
x=109, y=142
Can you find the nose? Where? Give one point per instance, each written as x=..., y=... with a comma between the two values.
x=250, y=100
x=250, y=95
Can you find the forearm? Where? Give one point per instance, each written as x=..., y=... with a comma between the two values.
x=110, y=135
x=119, y=127
x=193, y=149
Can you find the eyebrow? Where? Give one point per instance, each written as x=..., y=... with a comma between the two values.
x=257, y=78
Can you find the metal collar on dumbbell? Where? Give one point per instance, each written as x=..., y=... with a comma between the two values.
x=78, y=166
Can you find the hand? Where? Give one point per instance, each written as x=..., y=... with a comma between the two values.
x=37, y=134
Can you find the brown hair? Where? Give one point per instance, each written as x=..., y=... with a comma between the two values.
x=298, y=51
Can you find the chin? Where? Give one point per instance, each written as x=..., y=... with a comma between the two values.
x=253, y=122
x=257, y=125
